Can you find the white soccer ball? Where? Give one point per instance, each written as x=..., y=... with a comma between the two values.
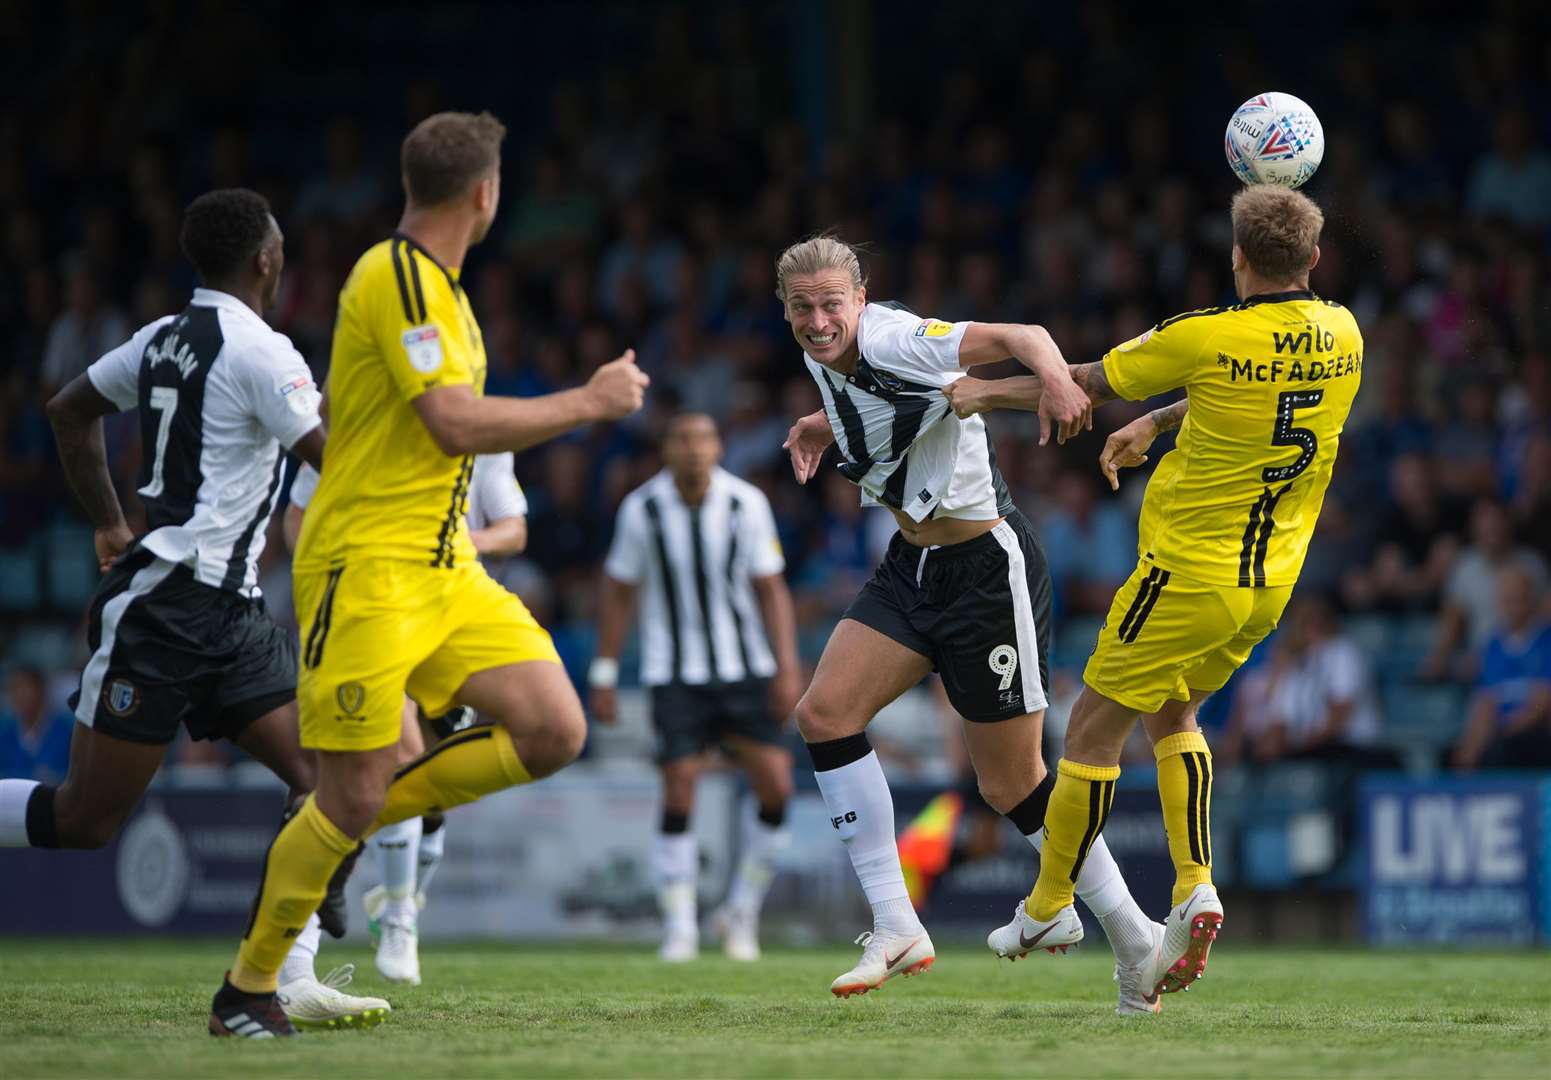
x=1274, y=139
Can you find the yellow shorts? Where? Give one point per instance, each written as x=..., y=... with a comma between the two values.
x=373, y=630
x=1167, y=635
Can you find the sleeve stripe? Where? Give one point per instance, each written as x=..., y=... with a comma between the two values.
x=398, y=271
x=414, y=272
x=1166, y=323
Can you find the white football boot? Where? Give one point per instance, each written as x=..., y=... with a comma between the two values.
x=680, y=945
x=739, y=933
x=319, y=1006
x=398, y=950
x=1136, y=982
x=1187, y=939
x=885, y=954
x=1025, y=933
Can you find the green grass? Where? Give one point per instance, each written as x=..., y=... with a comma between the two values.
x=84, y=1008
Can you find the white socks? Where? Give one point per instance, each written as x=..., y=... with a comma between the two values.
x=676, y=865
x=861, y=810
x=750, y=882
x=398, y=849
x=13, y=812
x=432, y=845
x=1101, y=887
x=298, y=962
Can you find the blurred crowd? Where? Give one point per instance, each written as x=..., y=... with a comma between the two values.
x=1066, y=172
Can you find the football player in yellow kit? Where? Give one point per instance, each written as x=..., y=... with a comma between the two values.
x=1224, y=529
x=389, y=590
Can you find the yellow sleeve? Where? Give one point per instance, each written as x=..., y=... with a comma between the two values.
x=417, y=324
x=1164, y=358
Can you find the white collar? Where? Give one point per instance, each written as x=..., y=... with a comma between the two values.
x=216, y=298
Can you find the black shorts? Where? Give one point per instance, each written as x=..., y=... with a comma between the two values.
x=690, y=719
x=168, y=650
x=980, y=611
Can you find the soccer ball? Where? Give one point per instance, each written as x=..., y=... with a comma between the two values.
x=1274, y=139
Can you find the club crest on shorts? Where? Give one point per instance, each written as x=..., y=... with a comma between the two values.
x=351, y=696
x=121, y=697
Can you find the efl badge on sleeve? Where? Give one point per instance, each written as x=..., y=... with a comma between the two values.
x=933, y=328
x=423, y=345
x=1140, y=339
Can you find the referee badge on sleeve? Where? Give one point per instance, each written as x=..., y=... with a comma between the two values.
x=423, y=346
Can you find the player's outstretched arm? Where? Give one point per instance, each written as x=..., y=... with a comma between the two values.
x=1128, y=447
x=75, y=414
x=462, y=423
x=807, y=441
x=1061, y=405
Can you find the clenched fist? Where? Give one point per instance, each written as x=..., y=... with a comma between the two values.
x=618, y=387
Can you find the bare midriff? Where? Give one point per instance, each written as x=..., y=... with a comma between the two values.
x=941, y=532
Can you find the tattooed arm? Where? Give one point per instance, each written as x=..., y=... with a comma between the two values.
x=1127, y=447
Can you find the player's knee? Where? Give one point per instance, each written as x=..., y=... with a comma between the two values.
x=820, y=721
x=1002, y=793
x=353, y=808
x=546, y=752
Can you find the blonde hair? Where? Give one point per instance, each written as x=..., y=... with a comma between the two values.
x=1277, y=229
x=815, y=254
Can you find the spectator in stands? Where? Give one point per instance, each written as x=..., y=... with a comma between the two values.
x=34, y=740
x=1319, y=703
x=1514, y=180
x=1089, y=543
x=87, y=328
x=1470, y=613
x=1509, y=723
x=350, y=188
x=1414, y=545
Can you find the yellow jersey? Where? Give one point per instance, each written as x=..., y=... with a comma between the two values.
x=1271, y=381
x=387, y=491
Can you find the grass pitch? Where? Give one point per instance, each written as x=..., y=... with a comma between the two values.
x=88, y=1009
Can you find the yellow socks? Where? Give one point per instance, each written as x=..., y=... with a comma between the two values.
x=467, y=766
x=309, y=849
x=1074, y=818
x=296, y=874
x=1185, y=788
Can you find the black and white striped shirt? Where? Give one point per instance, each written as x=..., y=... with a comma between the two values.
x=700, y=621
x=222, y=397
x=902, y=444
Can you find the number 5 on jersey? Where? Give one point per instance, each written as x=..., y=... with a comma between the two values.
x=1257, y=534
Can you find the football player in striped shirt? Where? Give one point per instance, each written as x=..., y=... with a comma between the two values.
x=1224, y=530
x=964, y=590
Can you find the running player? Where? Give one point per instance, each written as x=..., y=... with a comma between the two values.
x=409, y=851
x=702, y=544
x=178, y=627
x=964, y=589
x=1224, y=530
x=389, y=591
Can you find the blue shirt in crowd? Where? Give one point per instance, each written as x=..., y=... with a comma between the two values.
x=1514, y=665
x=44, y=755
